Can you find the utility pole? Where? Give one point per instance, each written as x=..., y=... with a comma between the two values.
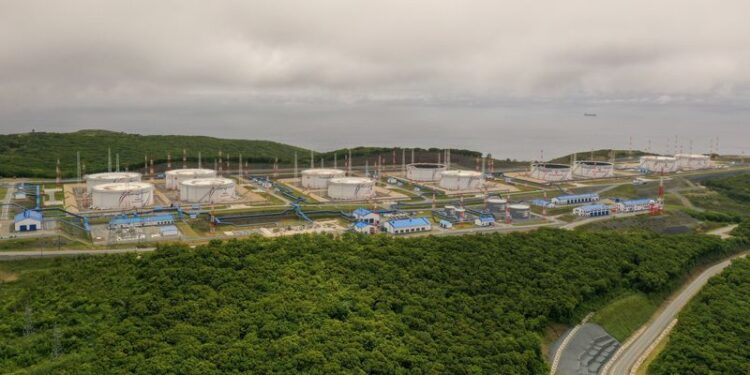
x=117, y=163
x=199, y=160
x=78, y=165
x=109, y=159
x=295, y=164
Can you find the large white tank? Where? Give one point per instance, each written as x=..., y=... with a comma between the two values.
x=658, y=164
x=424, y=172
x=519, y=211
x=593, y=169
x=460, y=180
x=122, y=195
x=551, y=172
x=317, y=178
x=207, y=190
x=496, y=205
x=691, y=162
x=175, y=176
x=110, y=177
x=351, y=188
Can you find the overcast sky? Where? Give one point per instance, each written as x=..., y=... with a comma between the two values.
x=332, y=73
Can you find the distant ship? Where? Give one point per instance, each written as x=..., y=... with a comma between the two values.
x=590, y=114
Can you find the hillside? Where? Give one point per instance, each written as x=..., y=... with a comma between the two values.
x=35, y=154
x=712, y=334
x=320, y=305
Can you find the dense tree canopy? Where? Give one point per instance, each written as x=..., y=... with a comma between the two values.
x=322, y=305
x=713, y=334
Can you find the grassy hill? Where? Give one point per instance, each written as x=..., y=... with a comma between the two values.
x=35, y=154
x=459, y=158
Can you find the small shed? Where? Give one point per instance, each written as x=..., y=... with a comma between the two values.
x=28, y=221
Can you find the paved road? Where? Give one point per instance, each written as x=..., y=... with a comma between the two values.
x=14, y=255
x=627, y=357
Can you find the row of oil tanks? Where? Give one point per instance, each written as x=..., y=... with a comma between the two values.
x=125, y=190
x=500, y=207
x=447, y=179
x=337, y=185
x=679, y=162
x=583, y=169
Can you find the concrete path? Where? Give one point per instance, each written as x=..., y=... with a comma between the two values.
x=14, y=255
x=723, y=232
x=625, y=360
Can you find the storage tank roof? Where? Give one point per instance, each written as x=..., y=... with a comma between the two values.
x=190, y=171
x=351, y=180
x=217, y=181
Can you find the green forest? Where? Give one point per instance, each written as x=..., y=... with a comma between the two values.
x=316, y=304
x=36, y=154
x=712, y=335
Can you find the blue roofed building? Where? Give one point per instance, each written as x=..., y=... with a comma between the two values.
x=363, y=214
x=28, y=221
x=411, y=225
x=564, y=200
x=635, y=205
x=363, y=227
x=485, y=221
x=125, y=221
x=592, y=210
x=540, y=203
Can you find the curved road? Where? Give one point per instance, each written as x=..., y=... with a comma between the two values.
x=629, y=354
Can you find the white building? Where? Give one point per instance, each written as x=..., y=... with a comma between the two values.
x=425, y=172
x=97, y=179
x=593, y=210
x=406, y=226
x=208, y=190
x=551, y=172
x=636, y=205
x=123, y=196
x=351, y=188
x=365, y=228
x=175, y=176
x=365, y=215
x=28, y=221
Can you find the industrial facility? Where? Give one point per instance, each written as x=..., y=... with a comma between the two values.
x=317, y=178
x=208, y=190
x=593, y=169
x=551, y=172
x=122, y=195
x=692, y=162
x=175, y=176
x=97, y=179
x=425, y=172
x=460, y=180
x=658, y=164
x=351, y=188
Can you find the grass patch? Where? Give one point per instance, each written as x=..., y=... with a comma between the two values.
x=643, y=370
x=52, y=242
x=625, y=315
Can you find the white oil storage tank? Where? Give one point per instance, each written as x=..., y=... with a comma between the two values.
x=317, y=178
x=175, y=176
x=460, y=180
x=96, y=179
x=658, y=164
x=692, y=162
x=208, y=190
x=496, y=205
x=551, y=172
x=351, y=188
x=122, y=195
x=425, y=172
x=519, y=211
x=593, y=169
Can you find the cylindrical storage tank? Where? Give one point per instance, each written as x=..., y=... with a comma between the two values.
x=207, y=190
x=461, y=180
x=122, y=196
x=175, y=176
x=658, y=164
x=351, y=188
x=691, y=162
x=317, y=178
x=593, y=169
x=96, y=179
x=496, y=205
x=551, y=172
x=519, y=211
x=424, y=172
x=461, y=213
